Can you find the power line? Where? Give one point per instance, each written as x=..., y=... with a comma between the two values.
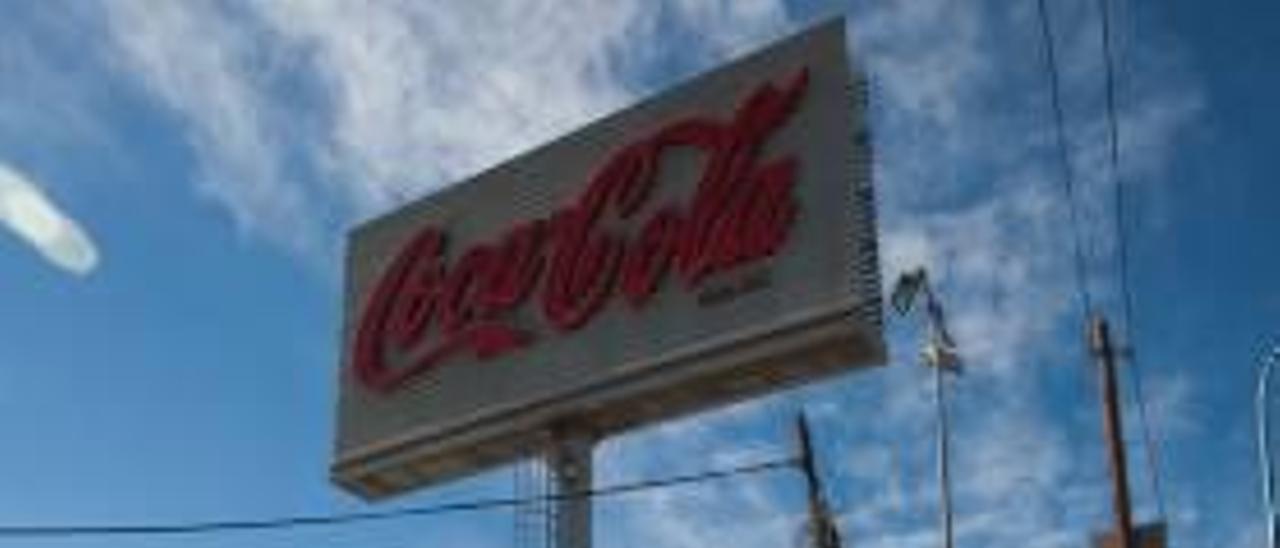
x=1068, y=175
x=292, y=522
x=1122, y=255
x=1113, y=146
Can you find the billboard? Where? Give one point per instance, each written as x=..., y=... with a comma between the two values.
x=713, y=243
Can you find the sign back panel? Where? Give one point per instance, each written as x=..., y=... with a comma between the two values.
x=711, y=244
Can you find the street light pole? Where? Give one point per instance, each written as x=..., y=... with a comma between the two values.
x=939, y=353
x=1269, y=361
x=944, y=456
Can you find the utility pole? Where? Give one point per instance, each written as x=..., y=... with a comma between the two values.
x=939, y=353
x=821, y=527
x=1101, y=346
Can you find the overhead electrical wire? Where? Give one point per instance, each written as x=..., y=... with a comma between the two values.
x=1081, y=255
x=293, y=522
x=1122, y=254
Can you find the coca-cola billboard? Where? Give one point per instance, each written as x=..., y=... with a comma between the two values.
x=710, y=244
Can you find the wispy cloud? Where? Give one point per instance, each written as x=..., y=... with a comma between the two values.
x=306, y=115
x=208, y=67
x=29, y=213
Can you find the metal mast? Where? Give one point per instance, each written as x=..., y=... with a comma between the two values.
x=570, y=463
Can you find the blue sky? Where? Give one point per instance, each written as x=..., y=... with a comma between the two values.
x=176, y=179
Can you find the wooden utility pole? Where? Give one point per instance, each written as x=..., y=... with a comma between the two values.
x=821, y=527
x=1104, y=351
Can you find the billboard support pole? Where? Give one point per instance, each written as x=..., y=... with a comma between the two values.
x=570, y=462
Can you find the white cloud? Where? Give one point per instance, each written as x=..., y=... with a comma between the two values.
x=30, y=214
x=421, y=94
x=306, y=115
x=210, y=69
x=731, y=27
x=1171, y=403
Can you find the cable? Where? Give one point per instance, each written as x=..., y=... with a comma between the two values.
x=1122, y=256
x=1068, y=176
x=341, y=519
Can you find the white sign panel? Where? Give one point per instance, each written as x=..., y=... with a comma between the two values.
x=711, y=244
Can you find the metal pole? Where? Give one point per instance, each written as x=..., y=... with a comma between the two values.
x=570, y=461
x=940, y=354
x=1100, y=339
x=1264, y=445
x=944, y=455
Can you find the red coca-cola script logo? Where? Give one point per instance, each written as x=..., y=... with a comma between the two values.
x=426, y=308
